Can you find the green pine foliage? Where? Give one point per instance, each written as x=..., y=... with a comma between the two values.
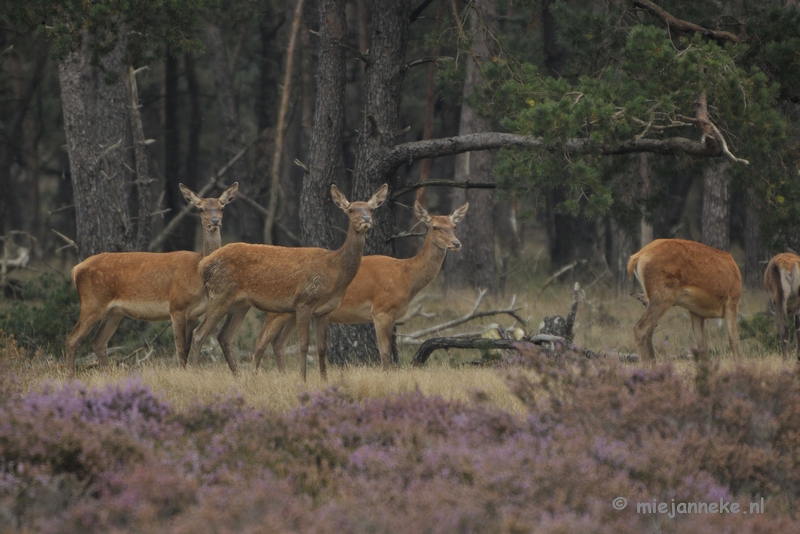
x=628, y=77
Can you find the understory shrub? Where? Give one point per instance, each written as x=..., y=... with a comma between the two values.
x=121, y=460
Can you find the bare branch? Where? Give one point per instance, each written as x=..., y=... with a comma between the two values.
x=474, y=314
x=443, y=183
x=683, y=25
x=406, y=152
x=424, y=60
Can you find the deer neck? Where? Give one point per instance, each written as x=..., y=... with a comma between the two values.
x=349, y=256
x=212, y=240
x=426, y=264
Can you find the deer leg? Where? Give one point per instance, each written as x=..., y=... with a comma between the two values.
x=279, y=342
x=86, y=322
x=796, y=332
x=271, y=332
x=233, y=321
x=384, y=325
x=782, y=322
x=179, y=328
x=108, y=325
x=644, y=328
x=214, y=313
x=191, y=324
x=731, y=321
x=303, y=316
x=321, y=334
x=699, y=329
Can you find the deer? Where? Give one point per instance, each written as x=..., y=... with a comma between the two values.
x=308, y=282
x=676, y=272
x=147, y=286
x=782, y=280
x=381, y=291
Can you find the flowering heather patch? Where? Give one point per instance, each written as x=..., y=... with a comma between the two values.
x=120, y=460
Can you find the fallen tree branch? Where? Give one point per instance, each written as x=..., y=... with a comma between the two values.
x=426, y=349
x=474, y=314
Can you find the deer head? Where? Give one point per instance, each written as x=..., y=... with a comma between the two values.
x=210, y=208
x=442, y=227
x=359, y=213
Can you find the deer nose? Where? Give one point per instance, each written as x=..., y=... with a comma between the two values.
x=215, y=221
x=456, y=245
x=366, y=218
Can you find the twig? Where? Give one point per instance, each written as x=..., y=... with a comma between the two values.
x=559, y=273
x=569, y=335
x=474, y=314
x=70, y=242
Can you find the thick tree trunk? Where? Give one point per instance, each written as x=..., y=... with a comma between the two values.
x=183, y=237
x=249, y=221
x=621, y=249
x=474, y=266
x=97, y=130
x=716, y=214
x=383, y=86
x=324, y=163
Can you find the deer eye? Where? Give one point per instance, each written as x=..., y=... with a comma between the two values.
x=350, y=210
x=201, y=209
x=435, y=227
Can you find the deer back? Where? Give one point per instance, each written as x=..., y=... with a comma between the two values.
x=699, y=276
x=782, y=279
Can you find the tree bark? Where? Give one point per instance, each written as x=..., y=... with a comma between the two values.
x=715, y=217
x=753, y=246
x=191, y=173
x=97, y=130
x=324, y=163
x=383, y=86
x=474, y=266
x=183, y=238
x=249, y=221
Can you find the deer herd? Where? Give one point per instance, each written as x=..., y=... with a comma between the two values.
x=298, y=286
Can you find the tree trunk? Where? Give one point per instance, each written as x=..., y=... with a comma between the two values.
x=97, y=130
x=191, y=173
x=715, y=217
x=621, y=249
x=753, y=246
x=474, y=267
x=324, y=160
x=183, y=237
x=383, y=86
x=249, y=221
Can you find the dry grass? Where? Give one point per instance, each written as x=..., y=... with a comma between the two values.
x=604, y=324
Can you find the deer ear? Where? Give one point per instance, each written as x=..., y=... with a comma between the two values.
x=190, y=196
x=379, y=197
x=459, y=214
x=338, y=198
x=421, y=213
x=229, y=194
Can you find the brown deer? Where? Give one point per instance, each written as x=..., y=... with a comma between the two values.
x=147, y=286
x=782, y=279
x=310, y=282
x=381, y=291
x=702, y=279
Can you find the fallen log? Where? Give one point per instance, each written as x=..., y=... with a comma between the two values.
x=426, y=349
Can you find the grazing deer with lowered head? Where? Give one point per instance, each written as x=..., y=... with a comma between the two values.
x=782, y=279
x=148, y=286
x=381, y=291
x=309, y=282
x=702, y=279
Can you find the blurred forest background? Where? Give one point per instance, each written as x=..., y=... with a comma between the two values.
x=587, y=128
